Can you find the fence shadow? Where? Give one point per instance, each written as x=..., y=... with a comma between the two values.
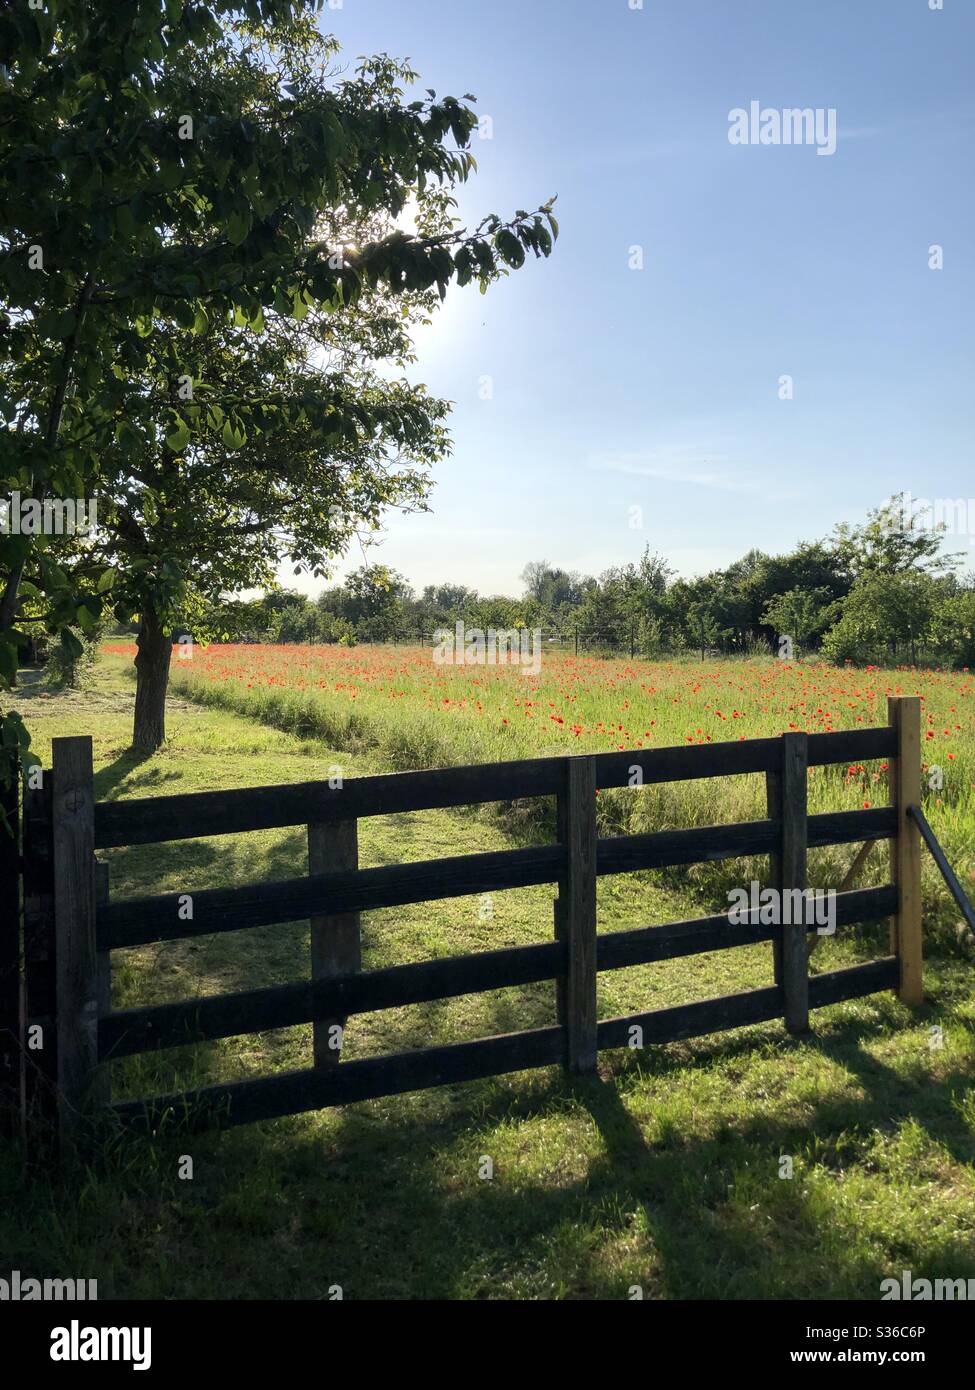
x=673, y=1198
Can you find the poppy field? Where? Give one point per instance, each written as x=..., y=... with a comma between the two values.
x=573, y=705
x=413, y=713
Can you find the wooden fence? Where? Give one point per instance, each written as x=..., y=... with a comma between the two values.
x=72, y=924
x=9, y=951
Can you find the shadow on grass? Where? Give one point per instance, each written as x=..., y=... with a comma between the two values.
x=109, y=778
x=384, y=1198
x=718, y=1220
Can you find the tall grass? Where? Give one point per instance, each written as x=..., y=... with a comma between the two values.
x=416, y=714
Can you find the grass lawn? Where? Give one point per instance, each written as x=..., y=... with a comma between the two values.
x=663, y=1173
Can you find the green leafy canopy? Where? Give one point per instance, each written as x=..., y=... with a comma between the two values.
x=176, y=172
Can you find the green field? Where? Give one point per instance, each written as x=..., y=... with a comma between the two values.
x=663, y=1173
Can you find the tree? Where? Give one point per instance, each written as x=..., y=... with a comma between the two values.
x=811, y=565
x=375, y=601
x=447, y=599
x=952, y=628
x=892, y=541
x=655, y=573
x=551, y=588
x=799, y=613
x=215, y=511
x=170, y=169
x=628, y=602
x=497, y=611
x=704, y=624
x=883, y=612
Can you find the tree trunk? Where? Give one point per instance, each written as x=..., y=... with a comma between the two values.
x=154, y=650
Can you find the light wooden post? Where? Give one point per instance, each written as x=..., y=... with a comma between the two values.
x=336, y=947
x=795, y=976
x=578, y=917
x=904, y=713
x=76, y=970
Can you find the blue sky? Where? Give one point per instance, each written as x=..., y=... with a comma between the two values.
x=616, y=388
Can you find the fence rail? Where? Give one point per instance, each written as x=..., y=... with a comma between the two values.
x=73, y=924
x=141, y=921
x=190, y=815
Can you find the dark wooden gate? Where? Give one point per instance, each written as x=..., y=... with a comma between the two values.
x=73, y=925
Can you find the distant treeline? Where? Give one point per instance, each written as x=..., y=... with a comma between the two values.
x=882, y=591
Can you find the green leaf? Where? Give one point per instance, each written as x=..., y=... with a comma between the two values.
x=126, y=437
x=238, y=225
x=511, y=249
x=233, y=438
x=180, y=436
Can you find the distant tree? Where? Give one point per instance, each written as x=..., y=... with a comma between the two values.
x=952, y=629
x=800, y=613
x=704, y=625
x=551, y=588
x=812, y=565
x=448, y=598
x=654, y=572
x=535, y=578
x=299, y=622
x=375, y=601
x=704, y=611
x=892, y=541
x=886, y=612
x=499, y=612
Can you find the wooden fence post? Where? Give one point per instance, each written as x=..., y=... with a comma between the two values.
x=40, y=1052
x=76, y=970
x=336, y=947
x=10, y=952
x=773, y=802
x=578, y=917
x=558, y=903
x=103, y=969
x=904, y=714
x=795, y=974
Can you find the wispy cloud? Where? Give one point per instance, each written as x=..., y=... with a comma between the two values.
x=421, y=532
x=924, y=122
x=861, y=132
x=687, y=463
x=678, y=464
